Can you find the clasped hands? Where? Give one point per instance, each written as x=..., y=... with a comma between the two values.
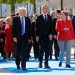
x=66, y=29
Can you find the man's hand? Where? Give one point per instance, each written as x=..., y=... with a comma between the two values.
x=66, y=29
x=55, y=37
x=29, y=40
x=37, y=39
x=1, y=40
x=15, y=40
x=50, y=37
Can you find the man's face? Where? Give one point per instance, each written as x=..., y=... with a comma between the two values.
x=22, y=12
x=45, y=9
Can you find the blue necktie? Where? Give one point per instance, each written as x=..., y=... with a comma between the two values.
x=23, y=31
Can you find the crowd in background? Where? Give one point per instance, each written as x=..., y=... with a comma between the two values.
x=45, y=32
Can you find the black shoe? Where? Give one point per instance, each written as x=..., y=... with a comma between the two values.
x=60, y=64
x=50, y=58
x=9, y=58
x=4, y=58
x=18, y=68
x=56, y=59
x=68, y=66
x=24, y=69
x=40, y=65
x=47, y=66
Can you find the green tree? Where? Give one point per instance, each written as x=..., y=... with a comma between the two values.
x=61, y=4
x=3, y=1
x=31, y=1
x=12, y=2
x=34, y=3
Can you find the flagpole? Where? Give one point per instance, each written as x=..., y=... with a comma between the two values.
x=61, y=4
x=13, y=8
x=34, y=6
x=27, y=8
x=1, y=10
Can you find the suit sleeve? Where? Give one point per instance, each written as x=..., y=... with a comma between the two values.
x=37, y=26
x=73, y=23
x=32, y=28
x=14, y=31
x=29, y=28
x=51, y=30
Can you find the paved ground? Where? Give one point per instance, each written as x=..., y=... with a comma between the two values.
x=9, y=68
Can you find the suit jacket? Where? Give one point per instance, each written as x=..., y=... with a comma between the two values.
x=54, y=25
x=17, y=28
x=33, y=29
x=73, y=23
x=44, y=28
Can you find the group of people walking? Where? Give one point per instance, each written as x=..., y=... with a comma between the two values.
x=44, y=32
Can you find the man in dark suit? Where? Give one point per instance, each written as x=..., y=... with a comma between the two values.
x=34, y=42
x=55, y=15
x=21, y=34
x=44, y=34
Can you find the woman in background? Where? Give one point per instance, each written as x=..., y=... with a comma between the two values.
x=8, y=47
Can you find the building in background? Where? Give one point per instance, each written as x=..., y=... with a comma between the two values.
x=5, y=9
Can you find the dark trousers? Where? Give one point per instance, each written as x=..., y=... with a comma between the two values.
x=50, y=48
x=29, y=50
x=44, y=44
x=21, y=53
x=56, y=48
x=2, y=50
x=36, y=49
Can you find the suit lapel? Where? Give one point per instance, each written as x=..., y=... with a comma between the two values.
x=25, y=22
x=19, y=19
x=47, y=17
x=42, y=17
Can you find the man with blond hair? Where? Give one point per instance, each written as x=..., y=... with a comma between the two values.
x=21, y=35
